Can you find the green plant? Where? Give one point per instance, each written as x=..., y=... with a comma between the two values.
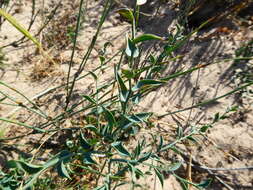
x=100, y=143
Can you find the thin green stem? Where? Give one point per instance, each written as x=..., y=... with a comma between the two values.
x=26, y=98
x=74, y=45
x=87, y=55
x=208, y=101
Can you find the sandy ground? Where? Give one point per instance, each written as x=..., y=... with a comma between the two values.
x=229, y=144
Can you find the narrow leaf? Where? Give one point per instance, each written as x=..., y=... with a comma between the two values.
x=146, y=37
x=109, y=117
x=145, y=157
x=87, y=159
x=127, y=14
x=205, y=184
x=132, y=50
x=137, y=150
x=90, y=99
x=30, y=168
x=175, y=167
x=160, y=176
x=19, y=27
x=62, y=171
x=63, y=155
x=84, y=143
x=121, y=149
x=161, y=142
x=147, y=82
x=124, y=92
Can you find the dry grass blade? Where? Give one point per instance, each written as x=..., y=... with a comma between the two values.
x=20, y=28
x=27, y=34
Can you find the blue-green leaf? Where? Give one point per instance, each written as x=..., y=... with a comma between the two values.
x=161, y=142
x=145, y=157
x=134, y=119
x=90, y=99
x=191, y=138
x=109, y=117
x=87, y=159
x=121, y=149
x=174, y=167
x=137, y=150
x=84, y=143
x=147, y=82
x=100, y=188
x=124, y=92
x=205, y=184
x=132, y=50
x=160, y=176
x=30, y=168
x=64, y=155
x=140, y=117
x=62, y=171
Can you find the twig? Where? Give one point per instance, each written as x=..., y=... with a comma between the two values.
x=199, y=166
x=226, y=169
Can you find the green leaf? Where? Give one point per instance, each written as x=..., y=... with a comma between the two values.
x=146, y=37
x=138, y=173
x=124, y=92
x=139, y=117
x=160, y=176
x=180, y=132
x=90, y=99
x=161, y=142
x=121, y=149
x=152, y=59
x=134, y=119
x=204, y=128
x=87, y=159
x=174, y=167
x=191, y=138
x=100, y=188
x=109, y=117
x=62, y=156
x=132, y=50
x=147, y=82
x=128, y=73
x=216, y=117
x=62, y=171
x=127, y=14
x=136, y=98
x=137, y=150
x=91, y=127
x=84, y=143
x=93, y=75
x=30, y=168
x=12, y=164
x=205, y=184
x=102, y=59
x=145, y=157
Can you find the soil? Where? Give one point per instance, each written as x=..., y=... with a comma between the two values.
x=227, y=145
